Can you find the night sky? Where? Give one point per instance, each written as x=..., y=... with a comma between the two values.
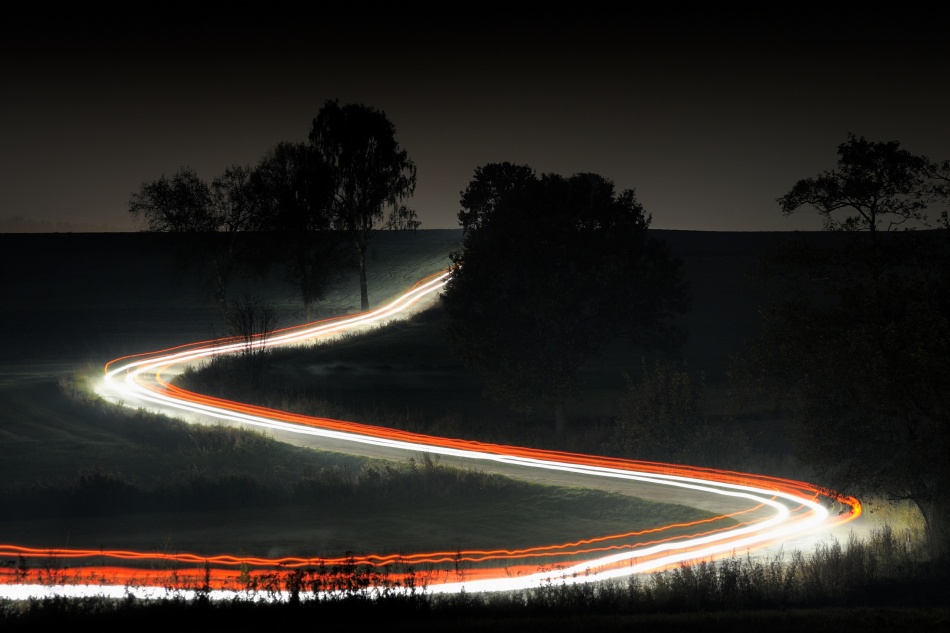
x=709, y=117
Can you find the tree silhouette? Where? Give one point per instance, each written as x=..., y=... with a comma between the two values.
x=551, y=269
x=878, y=182
x=371, y=175
x=489, y=185
x=179, y=204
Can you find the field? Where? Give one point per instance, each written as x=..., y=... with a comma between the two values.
x=78, y=473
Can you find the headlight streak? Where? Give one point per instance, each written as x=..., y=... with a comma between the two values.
x=790, y=508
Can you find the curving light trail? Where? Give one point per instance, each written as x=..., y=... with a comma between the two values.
x=755, y=510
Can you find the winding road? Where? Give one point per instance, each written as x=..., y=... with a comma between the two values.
x=754, y=513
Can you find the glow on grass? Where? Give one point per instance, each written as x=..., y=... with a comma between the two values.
x=772, y=509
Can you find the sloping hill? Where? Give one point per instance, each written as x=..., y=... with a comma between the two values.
x=90, y=297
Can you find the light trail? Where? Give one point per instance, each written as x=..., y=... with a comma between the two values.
x=759, y=510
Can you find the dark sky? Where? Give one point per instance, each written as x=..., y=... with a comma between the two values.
x=709, y=117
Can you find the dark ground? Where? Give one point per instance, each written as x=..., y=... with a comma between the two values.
x=80, y=300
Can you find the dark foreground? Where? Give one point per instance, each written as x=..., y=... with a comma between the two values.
x=832, y=593
x=61, y=614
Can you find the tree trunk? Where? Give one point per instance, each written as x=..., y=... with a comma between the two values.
x=937, y=523
x=221, y=299
x=223, y=269
x=364, y=294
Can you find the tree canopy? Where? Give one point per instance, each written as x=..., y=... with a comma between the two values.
x=880, y=183
x=551, y=269
x=178, y=204
x=489, y=185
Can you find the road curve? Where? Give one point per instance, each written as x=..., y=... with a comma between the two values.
x=754, y=512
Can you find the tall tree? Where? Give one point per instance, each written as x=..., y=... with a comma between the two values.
x=372, y=175
x=293, y=191
x=552, y=269
x=856, y=343
x=880, y=184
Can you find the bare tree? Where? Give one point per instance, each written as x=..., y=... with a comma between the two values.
x=252, y=322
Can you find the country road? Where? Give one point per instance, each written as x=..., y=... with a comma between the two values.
x=778, y=515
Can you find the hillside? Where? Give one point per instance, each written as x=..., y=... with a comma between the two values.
x=91, y=297
x=75, y=298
